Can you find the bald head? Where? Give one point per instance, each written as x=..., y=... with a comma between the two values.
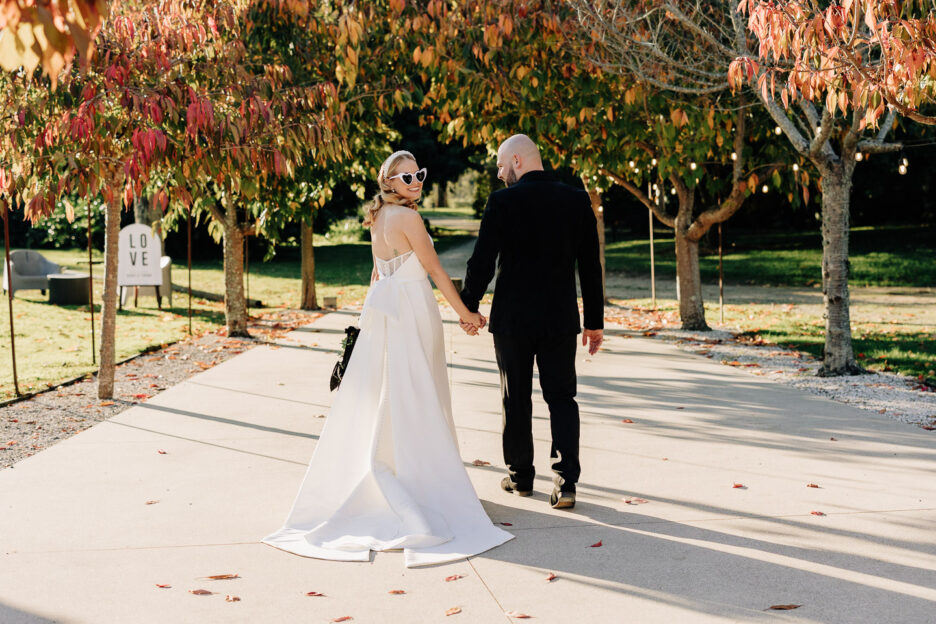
x=516, y=156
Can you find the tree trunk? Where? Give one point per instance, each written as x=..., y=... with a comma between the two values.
x=688, y=276
x=109, y=299
x=838, y=357
x=595, y=196
x=235, y=303
x=442, y=195
x=308, y=299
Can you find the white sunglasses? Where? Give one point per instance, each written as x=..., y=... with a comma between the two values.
x=408, y=177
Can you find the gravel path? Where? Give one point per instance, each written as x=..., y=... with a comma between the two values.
x=31, y=425
x=901, y=397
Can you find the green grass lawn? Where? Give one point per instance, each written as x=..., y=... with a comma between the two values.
x=53, y=343
x=884, y=338
x=881, y=256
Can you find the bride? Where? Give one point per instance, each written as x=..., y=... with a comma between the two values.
x=386, y=473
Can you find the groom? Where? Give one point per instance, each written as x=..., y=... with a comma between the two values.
x=535, y=232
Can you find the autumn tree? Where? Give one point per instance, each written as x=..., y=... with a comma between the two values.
x=519, y=68
x=49, y=34
x=168, y=102
x=684, y=47
x=868, y=55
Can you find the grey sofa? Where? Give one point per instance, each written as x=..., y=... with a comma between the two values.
x=29, y=269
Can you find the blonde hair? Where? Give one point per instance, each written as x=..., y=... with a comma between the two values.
x=387, y=194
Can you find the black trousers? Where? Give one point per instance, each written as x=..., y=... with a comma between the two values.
x=555, y=359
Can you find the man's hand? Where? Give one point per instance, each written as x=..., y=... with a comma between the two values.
x=593, y=338
x=472, y=328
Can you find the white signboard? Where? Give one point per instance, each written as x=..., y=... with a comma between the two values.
x=138, y=257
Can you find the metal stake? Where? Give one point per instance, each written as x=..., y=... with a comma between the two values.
x=189, y=227
x=6, y=242
x=91, y=288
x=721, y=279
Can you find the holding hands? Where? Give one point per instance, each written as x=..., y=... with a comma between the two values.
x=472, y=322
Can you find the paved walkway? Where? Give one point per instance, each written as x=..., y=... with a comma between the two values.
x=80, y=544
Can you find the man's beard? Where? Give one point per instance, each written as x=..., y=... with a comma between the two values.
x=511, y=177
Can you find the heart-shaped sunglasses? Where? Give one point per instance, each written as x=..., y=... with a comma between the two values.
x=408, y=177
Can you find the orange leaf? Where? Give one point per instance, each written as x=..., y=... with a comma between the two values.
x=454, y=577
x=230, y=598
x=507, y=523
x=161, y=452
x=785, y=607
x=453, y=611
x=200, y=592
x=552, y=576
x=106, y=403
x=596, y=544
x=221, y=577
x=812, y=485
x=635, y=501
x=162, y=585
x=343, y=618
x=314, y=594
x=817, y=513
x=517, y=614
x=627, y=421
x=396, y=592
x=140, y=396
x=738, y=486
x=151, y=502
x=480, y=462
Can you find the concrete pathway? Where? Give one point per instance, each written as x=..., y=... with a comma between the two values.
x=80, y=544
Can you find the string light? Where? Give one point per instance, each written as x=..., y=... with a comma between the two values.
x=734, y=156
x=653, y=162
x=778, y=130
x=631, y=164
x=672, y=191
x=859, y=156
x=902, y=169
x=795, y=167
x=904, y=162
x=818, y=130
x=692, y=166
x=764, y=188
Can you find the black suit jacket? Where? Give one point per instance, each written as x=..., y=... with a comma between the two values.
x=534, y=232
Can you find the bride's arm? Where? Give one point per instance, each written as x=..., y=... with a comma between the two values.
x=415, y=231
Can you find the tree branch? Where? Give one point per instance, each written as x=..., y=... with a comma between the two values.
x=664, y=218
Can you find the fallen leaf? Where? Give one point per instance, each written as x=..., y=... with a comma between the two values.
x=162, y=585
x=454, y=577
x=314, y=594
x=107, y=403
x=453, y=611
x=636, y=501
x=140, y=396
x=596, y=544
x=507, y=523
x=739, y=486
x=480, y=462
x=817, y=513
x=928, y=427
x=785, y=607
x=628, y=421
x=161, y=452
x=230, y=598
x=221, y=577
x=343, y=618
x=517, y=614
x=200, y=592
x=151, y=502
x=680, y=408
x=552, y=576
x=396, y=592
x=812, y=485
x=834, y=439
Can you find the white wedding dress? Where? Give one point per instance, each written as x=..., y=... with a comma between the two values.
x=386, y=472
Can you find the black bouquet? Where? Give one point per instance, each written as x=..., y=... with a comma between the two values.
x=347, y=345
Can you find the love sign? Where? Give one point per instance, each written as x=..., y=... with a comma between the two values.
x=138, y=256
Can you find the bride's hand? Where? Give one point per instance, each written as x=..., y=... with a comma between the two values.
x=474, y=319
